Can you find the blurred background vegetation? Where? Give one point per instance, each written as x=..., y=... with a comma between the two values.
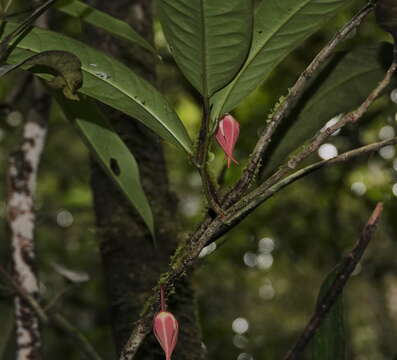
x=258, y=289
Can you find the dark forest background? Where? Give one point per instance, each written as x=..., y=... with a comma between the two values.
x=257, y=290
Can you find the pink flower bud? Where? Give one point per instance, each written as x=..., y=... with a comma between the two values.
x=166, y=328
x=227, y=135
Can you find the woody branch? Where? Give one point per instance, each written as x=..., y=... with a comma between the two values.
x=345, y=270
x=211, y=229
x=253, y=199
x=294, y=95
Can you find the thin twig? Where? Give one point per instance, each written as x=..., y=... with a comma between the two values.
x=261, y=194
x=58, y=297
x=53, y=318
x=351, y=117
x=248, y=202
x=64, y=325
x=7, y=6
x=211, y=229
x=346, y=268
x=23, y=26
x=33, y=303
x=284, y=109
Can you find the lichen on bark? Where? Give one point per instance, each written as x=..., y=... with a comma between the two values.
x=132, y=266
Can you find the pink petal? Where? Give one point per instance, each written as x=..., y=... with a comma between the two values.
x=165, y=328
x=227, y=135
x=231, y=130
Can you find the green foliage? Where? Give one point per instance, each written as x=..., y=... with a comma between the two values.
x=343, y=85
x=67, y=68
x=279, y=27
x=329, y=341
x=111, y=153
x=310, y=223
x=208, y=39
x=99, y=19
x=110, y=82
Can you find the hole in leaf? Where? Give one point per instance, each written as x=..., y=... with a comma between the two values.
x=114, y=165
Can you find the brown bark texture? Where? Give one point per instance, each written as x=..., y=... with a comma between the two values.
x=22, y=179
x=132, y=265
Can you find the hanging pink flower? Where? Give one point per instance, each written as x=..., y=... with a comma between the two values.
x=227, y=135
x=166, y=328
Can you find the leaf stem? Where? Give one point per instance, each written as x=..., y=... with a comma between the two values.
x=346, y=268
x=253, y=199
x=284, y=109
x=209, y=231
x=202, y=160
x=257, y=197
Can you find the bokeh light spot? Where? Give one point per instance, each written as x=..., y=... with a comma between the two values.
x=266, y=291
x=264, y=261
x=245, y=356
x=394, y=189
x=393, y=96
x=386, y=132
x=358, y=188
x=250, y=259
x=266, y=245
x=240, y=325
x=207, y=250
x=14, y=118
x=332, y=122
x=240, y=341
x=64, y=218
x=327, y=151
x=387, y=152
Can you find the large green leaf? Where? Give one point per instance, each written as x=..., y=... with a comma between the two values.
x=65, y=67
x=102, y=20
x=279, y=27
x=110, y=82
x=342, y=86
x=111, y=152
x=329, y=341
x=208, y=39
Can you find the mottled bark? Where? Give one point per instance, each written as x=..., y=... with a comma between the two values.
x=22, y=176
x=131, y=265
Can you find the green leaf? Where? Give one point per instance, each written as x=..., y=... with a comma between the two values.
x=8, y=328
x=279, y=27
x=110, y=151
x=329, y=341
x=102, y=20
x=209, y=39
x=110, y=82
x=343, y=85
x=67, y=68
x=22, y=27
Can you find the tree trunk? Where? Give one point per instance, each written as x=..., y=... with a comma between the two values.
x=132, y=265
